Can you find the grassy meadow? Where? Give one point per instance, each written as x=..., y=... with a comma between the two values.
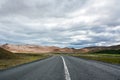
x=109, y=56
x=20, y=58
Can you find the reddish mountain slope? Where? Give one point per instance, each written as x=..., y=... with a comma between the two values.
x=35, y=49
x=48, y=49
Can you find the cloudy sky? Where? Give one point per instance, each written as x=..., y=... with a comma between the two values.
x=63, y=23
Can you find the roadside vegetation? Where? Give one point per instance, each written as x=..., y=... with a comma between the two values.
x=20, y=58
x=8, y=59
x=109, y=56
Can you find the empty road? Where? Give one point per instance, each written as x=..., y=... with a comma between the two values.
x=63, y=68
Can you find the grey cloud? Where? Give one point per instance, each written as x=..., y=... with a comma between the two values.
x=48, y=22
x=40, y=8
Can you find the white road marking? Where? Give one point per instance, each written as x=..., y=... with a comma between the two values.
x=67, y=74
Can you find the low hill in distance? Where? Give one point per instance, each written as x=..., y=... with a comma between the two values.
x=53, y=49
x=35, y=49
x=100, y=49
x=4, y=54
x=108, y=52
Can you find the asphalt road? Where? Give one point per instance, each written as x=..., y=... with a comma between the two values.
x=63, y=68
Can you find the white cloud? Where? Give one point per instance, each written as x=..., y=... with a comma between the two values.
x=75, y=23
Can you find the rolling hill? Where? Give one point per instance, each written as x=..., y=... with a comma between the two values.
x=35, y=49
x=4, y=54
x=100, y=49
x=53, y=49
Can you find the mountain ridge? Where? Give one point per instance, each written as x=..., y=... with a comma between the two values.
x=53, y=49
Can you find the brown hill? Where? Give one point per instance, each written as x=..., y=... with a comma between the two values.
x=53, y=49
x=35, y=49
x=4, y=54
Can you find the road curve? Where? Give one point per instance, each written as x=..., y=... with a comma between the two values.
x=63, y=68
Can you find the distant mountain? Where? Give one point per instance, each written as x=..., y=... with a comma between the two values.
x=4, y=54
x=35, y=49
x=98, y=48
x=53, y=49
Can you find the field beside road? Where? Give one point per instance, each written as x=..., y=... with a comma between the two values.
x=109, y=58
x=20, y=58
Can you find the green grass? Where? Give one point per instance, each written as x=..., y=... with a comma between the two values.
x=20, y=59
x=109, y=58
x=109, y=52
